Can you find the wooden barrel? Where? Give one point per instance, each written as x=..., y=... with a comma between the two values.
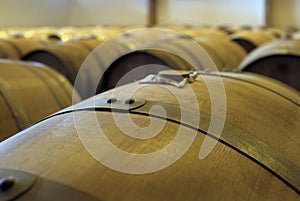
x=179, y=53
x=28, y=93
x=155, y=59
x=250, y=40
x=69, y=33
x=226, y=54
x=279, y=59
x=256, y=157
x=40, y=32
x=234, y=29
x=66, y=57
x=138, y=48
x=276, y=31
x=201, y=32
x=92, y=64
x=187, y=49
x=16, y=48
x=207, y=52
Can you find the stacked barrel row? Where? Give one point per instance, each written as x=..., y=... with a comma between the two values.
x=66, y=49
x=32, y=90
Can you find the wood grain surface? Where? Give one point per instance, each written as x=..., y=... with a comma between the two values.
x=54, y=150
x=30, y=92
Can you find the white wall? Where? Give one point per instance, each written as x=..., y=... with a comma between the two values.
x=33, y=12
x=212, y=12
x=111, y=12
x=72, y=12
x=134, y=12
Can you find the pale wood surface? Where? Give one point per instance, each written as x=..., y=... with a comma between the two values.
x=70, y=54
x=31, y=92
x=270, y=83
x=8, y=122
x=226, y=54
x=7, y=51
x=16, y=48
x=53, y=149
x=256, y=37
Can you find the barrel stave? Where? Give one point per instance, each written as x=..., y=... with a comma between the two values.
x=57, y=152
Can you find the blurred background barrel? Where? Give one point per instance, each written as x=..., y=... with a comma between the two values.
x=242, y=165
x=250, y=40
x=226, y=54
x=16, y=48
x=30, y=92
x=74, y=56
x=234, y=29
x=195, y=32
x=66, y=57
x=179, y=53
x=137, y=65
x=279, y=59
